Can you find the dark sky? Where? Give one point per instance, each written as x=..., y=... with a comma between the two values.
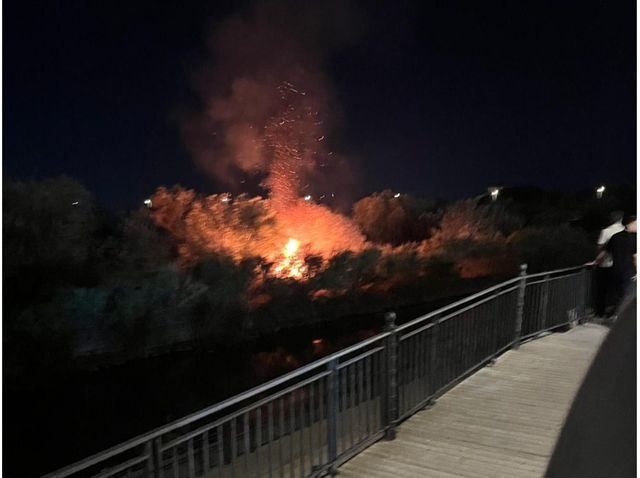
x=442, y=98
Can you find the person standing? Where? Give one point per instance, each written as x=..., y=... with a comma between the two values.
x=622, y=248
x=605, y=265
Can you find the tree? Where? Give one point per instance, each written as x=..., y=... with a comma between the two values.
x=387, y=219
x=547, y=248
x=48, y=228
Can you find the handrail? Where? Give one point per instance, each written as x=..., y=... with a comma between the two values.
x=392, y=334
x=179, y=423
x=453, y=305
x=558, y=271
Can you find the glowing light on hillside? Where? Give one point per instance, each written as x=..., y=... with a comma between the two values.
x=148, y=203
x=307, y=197
x=396, y=195
x=600, y=191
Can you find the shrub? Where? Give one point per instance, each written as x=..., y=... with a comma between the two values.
x=548, y=248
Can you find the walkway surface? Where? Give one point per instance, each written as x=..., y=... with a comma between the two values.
x=502, y=421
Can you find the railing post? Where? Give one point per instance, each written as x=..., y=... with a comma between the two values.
x=391, y=352
x=153, y=450
x=520, y=305
x=332, y=414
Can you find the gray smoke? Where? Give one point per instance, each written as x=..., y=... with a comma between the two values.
x=265, y=96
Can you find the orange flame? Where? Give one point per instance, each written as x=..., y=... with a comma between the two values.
x=291, y=266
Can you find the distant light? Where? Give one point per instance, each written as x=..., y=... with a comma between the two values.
x=494, y=192
x=333, y=195
x=75, y=203
x=600, y=191
x=307, y=197
x=226, y=198
x=396, y=195
x=317, y=341
x=148, y=203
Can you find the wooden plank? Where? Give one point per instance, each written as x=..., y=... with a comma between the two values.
x=501, y=422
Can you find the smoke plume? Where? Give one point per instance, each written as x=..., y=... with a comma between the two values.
x=268, y=108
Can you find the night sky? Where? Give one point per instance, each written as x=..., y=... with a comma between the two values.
x=439, y=98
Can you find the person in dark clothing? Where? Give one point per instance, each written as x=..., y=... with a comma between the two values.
x=622, y=249
x=604, y=269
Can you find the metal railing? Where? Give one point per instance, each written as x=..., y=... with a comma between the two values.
x=308, y=422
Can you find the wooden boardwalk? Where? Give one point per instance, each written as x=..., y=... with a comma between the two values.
x=501, y=422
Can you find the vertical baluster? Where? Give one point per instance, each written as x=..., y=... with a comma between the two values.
x=400, y=377
x=520, y=305
x=409, y=346
x=247, y=443
x=258, y=447
x=376, y=375
x=416, y=370
x=205, y=452
x=391, y=369
x=270, y=438
x=292, y=428
x=191, y=458
x=233, y=437
x=344, y=409
x=312, y=394
x=281, y=437
x=424, y=392
x=545, y=301
x=539, y=309
x=301, y=437
x=175, y=462
x=361, y=403
x=352, y=401
x=404, y=370
x=321, y=420
x=220, y=446
x=367, y=384
x=433, y=356
x=333, y=394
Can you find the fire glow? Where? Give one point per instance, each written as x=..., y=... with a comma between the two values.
x=291, y=265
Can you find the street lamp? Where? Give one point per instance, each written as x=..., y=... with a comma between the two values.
x=600, y=191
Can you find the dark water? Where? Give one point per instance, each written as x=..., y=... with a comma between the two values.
x=94, y=410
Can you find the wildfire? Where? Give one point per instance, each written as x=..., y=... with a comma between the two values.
x=291, y=266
